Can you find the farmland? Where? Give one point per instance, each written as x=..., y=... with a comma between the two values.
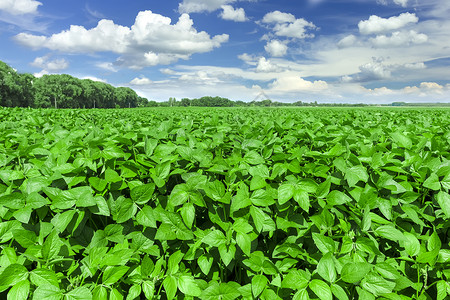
x=237, y=203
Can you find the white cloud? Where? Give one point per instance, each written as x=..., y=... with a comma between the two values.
x=150, y=41
x=285, y=24
x=265, y=65
x=376, y=24
x=276, y=48
x=297, y=29
x=19, y=7
x=378, y=70
x=50, y=66
x=196, y=6
x=403, y=3
x=93, y=78
x=40, y=74
x=229, y=13
x=399, y=38
x=374, y=70
x=278, y=17
x=140, y=81
x=347, y=41
x=296, y=84
x=107, y=66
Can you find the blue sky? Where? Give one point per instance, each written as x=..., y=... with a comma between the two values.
x=352, y=51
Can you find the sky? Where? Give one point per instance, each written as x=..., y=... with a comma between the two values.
x=344, y=51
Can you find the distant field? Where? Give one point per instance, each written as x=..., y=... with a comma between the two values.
x=229, y=203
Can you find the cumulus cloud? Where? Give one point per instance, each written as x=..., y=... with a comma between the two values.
x=229, y=13
x=276, y=48
x=285, y=24
x=47, y=65
x=152, y=40
x=265, y=65
x=378, y=70
x=278, y=17
x=140, y=81
x=376, y=24
x=296, y=29
x=399, y=38
x=296, y=84
x=19, y=7
x=196, y=6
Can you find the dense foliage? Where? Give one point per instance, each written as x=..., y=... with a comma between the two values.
x=61, y=91
x=225, y=204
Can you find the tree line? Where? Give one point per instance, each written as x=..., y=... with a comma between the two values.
x=209, y=101
x=65, y=91
x=61, y=91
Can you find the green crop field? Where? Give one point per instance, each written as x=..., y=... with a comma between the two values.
x=234, y=203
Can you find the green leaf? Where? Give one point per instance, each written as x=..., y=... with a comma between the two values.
x=187, y=212
x=412, y=244
x=148, y=287
x=432, y=182
x=79, y=293
x=302, y=199
x=134, y=292
x=19, y=291
x=51, y=246
x=337, y=198
x=324, y=243
x=244, y=242
x=401, y=140
x=83, y=196
x=252, y=157
x=259, y=283
x=62, y=220
x=301, y=295
x=355, y=174
x=126, y=209
x=326, y=268
x=205, y=262
x=170, y=286
x=321, y=289
x=443, y=199
x=257, y=182
x=354, y=272
x=44, y=277
x=285, y=193
x=100, y=293
x=173, y=228
x=141, y=194
x=112, y=274
x=295, y=280
x=98, y=183
x=338, y=292
x=149, y=146
x=25, y=238
x=115, y=295
x=261, y=220
x=47, y=292
x=442, y=290
x=390, y=232
x=222, y=291
x=188, y=286
x=174, y=261
x=146, y=217
x=376, y=284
